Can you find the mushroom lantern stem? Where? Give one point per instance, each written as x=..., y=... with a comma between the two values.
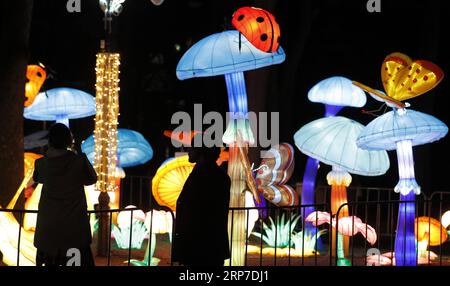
x=405, y=245
x=237, y=100
x=62, y=119
x=339, y=180
x=332, y=110
x=309, y=177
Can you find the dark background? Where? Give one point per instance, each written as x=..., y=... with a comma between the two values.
x=321, y=39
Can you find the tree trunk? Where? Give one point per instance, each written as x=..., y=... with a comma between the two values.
x=15, y=26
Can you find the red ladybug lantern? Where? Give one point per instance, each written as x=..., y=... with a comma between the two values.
x=259, y=27
x=36, y=76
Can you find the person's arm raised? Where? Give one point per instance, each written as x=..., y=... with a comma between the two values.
x=90, y=177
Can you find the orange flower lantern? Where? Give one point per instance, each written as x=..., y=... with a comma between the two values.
x=36, y=76
x=259, y=27
x=169, y=180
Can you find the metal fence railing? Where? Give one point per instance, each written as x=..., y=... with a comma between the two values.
x=429, y=235
x=127, y=230
x=274, y=236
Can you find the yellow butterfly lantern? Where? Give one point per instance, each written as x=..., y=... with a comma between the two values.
x=403, y=79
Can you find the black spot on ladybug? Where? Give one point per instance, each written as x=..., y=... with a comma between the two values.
x=28, y=80
x=241, y=17
x=278, y=39
x=263, y=37
x=39, y=74
x=260, y=19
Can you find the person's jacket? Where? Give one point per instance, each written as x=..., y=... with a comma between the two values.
x=201, y=226
x=62, y=221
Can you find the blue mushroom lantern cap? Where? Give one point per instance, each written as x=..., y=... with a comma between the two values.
x=332, y=140
x=339, y=91
x=132, y=148
x=62, y=102
x=384, y=132
x=224, y=53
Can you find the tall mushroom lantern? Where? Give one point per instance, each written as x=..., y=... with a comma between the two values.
x=400, y=130
x=60, y=105
x=335, y=93
x=132, y=150
x=229, y=54
x=332, y=140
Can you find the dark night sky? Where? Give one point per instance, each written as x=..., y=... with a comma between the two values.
x=320, y=38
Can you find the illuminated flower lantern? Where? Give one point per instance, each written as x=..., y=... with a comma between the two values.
x=230, y=55
x=400, y=130
x=445, y=219
x=36, y=76
x=332, y=140
x=336, y=93
x=29, y=159
x=131, y=231
x=29, y=220
x=259, y=27
x=132, y=150
x=10, y=227
x=169, y=180
x=429, y=231
x=9, y=233
x=156, y=222
x=349, y=226
x=60, y=105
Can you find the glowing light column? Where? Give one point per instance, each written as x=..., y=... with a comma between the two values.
x=106, y=120
x=105, y=135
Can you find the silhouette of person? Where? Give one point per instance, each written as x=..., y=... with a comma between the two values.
x=62, y=221
x=201, y=226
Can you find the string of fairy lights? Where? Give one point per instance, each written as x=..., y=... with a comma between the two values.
x=106, y=120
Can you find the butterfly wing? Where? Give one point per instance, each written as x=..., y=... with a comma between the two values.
x=394, y=65
x=280, y=195
x=279, y=164
x=276, y=169
x=420, y=77
x=403, y=78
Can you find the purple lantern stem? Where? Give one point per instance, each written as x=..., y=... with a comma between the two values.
x=332, y=110
x=405, y=244
x=309, y=179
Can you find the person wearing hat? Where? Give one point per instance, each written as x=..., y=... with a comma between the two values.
x=201, y=226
